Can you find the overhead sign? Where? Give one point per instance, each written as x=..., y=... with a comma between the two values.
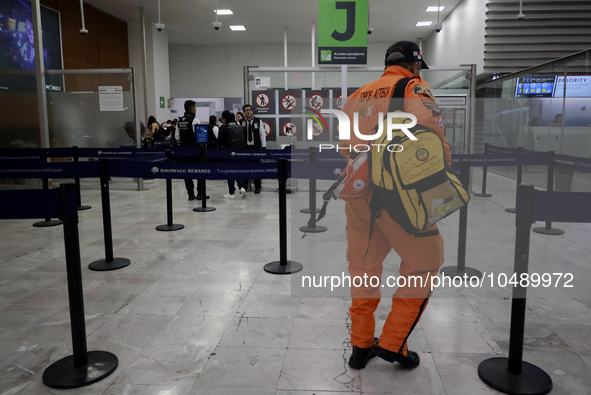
x=342, y=31
x=576, y=86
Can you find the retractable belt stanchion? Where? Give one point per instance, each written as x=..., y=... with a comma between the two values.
x=461, y=270
x=484, y=174
x=202, y=186
x=83, y=367
x=312, y=227
x=48, y=221
x=77, y=180
x=548, y=229
x=519, y=177
x=109, y=263
x=169, y=226
x=312, y=189
x=283, y=266
x=513, y=375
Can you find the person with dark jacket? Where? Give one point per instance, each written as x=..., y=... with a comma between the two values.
x=213, y=131
x=186, y=126
x=255, y=136
x=232, y=136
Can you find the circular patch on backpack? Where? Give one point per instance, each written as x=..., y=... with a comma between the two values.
x=359, y=184
x=422, y=154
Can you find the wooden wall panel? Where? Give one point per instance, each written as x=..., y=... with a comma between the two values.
x=111, y=25
x=71, y=9
x=50, y=3
x=113, y=52
x=78, y=47
x=80, y=83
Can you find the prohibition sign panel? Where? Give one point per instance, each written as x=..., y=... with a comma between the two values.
x=319, y=132
x=263, y=102
x=289, y=129
x=269, y=125
x=289, y=102
x=315, y=101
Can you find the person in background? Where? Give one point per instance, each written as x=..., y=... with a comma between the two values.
x=153, y=126
x=130, y=129
x=213, y=132
x=186, y=126
x=239, y=118
x=232, y=136
x=164, y=132
x=255, y=136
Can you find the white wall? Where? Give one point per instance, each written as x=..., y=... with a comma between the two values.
x=158, y=71
x=216, y=70
x=462, y=39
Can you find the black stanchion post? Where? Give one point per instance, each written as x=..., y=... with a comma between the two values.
x=109, y=263
x=519, y=177
x=202, y=186
x=484, y=176
x=83, y=367
x=461, y=270
x=48, y=221
x=283, y=266
x=513, y=375
x=312, y=188
x=76, y=157
x=312, y=227
x=169, y=226
x=548, y=229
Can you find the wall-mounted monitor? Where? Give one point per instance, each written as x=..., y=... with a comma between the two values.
x=17, y=42
x=535, y=86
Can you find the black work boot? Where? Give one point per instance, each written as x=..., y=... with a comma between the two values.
x=410, y=361
x=360, y=356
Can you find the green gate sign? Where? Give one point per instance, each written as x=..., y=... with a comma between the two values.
x=342, y=31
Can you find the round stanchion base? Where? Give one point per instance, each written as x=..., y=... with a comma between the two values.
x=545, y=231
x=80, y=208
x=203, y=209
x=532, y=380
x=63, y=374
x=277, y=268
x=102, y=265
x=452, y=271
x=308, y=211
x=45, y=224
x=170, y=228
x=511, y=210
x=313, y=229
x=484, y=194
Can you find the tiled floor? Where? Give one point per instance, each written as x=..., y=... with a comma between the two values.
x=195, y=313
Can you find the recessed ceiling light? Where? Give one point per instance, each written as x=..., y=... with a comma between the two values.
x=237, y=27
x=424, y=23
x=434, y=9
x=224, y=12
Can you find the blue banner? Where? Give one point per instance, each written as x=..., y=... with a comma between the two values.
x=209, y=171
x=37, y=203
x=562, y=206
x=573, y=162
x=20, y=169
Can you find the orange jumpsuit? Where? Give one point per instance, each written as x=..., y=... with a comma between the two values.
x=421, y=254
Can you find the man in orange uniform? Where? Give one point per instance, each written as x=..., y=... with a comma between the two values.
x=422, y=253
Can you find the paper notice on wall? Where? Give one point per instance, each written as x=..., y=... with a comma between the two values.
x=111, y=98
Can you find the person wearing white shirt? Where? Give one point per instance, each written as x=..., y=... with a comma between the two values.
x=255, y=136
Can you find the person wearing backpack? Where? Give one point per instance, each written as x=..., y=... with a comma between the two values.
x=369, y=243
x=232, y=136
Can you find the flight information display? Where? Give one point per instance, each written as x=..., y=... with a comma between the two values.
x=535, y=86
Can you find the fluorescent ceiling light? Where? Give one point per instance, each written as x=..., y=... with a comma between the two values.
x=424, y=23
x=224, y=12
x=237, y=27
x=434, y=9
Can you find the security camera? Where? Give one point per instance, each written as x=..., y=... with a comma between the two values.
x=216, y=25
x=160, y=26
x=520, y=17
x=83, y=31
x=438, y=27
x=369, y=30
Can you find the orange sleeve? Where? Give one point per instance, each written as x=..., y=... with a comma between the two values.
x=421, y=103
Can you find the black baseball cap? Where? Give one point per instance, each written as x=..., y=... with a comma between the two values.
x=410, y=51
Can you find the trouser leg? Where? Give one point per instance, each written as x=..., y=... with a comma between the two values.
x=231, y=187
x=190, y=186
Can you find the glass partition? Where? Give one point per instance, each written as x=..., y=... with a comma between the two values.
x=537, y=110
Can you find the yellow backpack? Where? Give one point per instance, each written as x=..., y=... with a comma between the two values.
x=415, y=186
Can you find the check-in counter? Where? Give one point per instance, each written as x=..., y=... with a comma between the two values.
x=577, y=140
